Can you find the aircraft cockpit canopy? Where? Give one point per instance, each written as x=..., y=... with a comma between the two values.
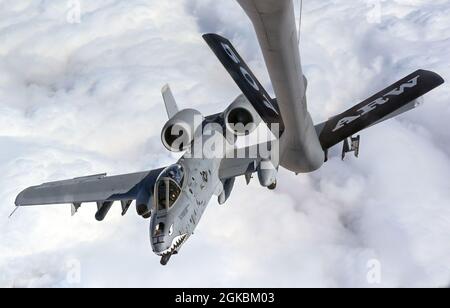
x=169, y=186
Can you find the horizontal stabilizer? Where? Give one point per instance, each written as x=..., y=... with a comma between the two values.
x=392, y=101
x=266, y=107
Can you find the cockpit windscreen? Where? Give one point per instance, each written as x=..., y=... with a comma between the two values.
x=169, y=187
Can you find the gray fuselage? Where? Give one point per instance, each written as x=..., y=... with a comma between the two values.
x=172, y=225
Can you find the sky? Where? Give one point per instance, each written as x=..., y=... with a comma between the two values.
x=80, y=94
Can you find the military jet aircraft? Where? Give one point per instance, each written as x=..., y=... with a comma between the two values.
x=175, y=197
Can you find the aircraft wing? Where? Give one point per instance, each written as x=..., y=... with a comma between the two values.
x=97, y=188
x=235, y=167
x=252, y=157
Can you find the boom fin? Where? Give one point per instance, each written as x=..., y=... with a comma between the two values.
x=266, y=107
x=398, y=98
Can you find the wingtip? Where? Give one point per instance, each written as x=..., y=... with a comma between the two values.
x=441, y=79
x=207, y=36
x=438, y=78
x=18, y=201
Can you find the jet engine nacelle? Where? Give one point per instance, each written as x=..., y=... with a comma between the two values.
x=179, y=133
x=241, y=118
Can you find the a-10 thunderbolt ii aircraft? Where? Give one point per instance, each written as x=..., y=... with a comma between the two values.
x=176, y=197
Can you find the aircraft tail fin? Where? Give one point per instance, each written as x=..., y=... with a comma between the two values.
x=398, y=98
x=169, y=101
x=266, y=107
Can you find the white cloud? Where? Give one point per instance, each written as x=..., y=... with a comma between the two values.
x=84, y=98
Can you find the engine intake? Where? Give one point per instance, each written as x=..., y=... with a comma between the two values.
x=241, y=118
x=179, y=133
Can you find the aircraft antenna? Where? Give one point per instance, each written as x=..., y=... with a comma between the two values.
x=15, y=210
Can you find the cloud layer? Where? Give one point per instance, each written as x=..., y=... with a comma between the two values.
x=79, y=99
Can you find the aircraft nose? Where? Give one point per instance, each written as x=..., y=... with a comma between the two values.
x=159, y=238
x=159, y=247
x=160, y=243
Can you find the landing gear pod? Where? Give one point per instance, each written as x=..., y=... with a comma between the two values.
x=267, y=174
x=144, y=203
x=227, y=189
